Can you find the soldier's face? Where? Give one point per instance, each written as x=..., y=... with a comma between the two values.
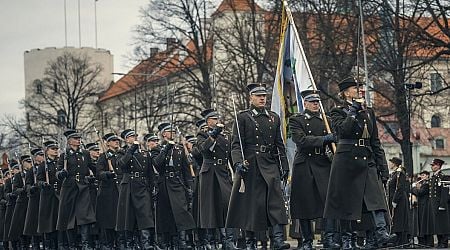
x=312, y=106
x=39, y=159
x=351, y=93
x=131, y=139
x=26, y=164
x=423, y=177
x=152, y=144
x=76, y=142
x=53, y=152
x=212, y=122
x=258, y=101
x=114, y=144
x=435, y=167
x=169, y=135
x=94, y=153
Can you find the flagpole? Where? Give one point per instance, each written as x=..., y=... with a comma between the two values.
x=297, y=37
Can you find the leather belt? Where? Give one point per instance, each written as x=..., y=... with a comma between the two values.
x=260, y=148
x=216, y=161
x=317, y=151
x=356, y=142
x=171, y=174
x=137, y=175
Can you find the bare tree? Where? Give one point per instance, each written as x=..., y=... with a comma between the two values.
x=64, y=98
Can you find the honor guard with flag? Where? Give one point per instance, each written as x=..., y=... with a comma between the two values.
x=311, y=170
x=109, y=175
x=260, y=163
x=135, y=198
x=358, y=168
x=215, y=175
x=174, y=191
x=49, y=197
x=76, y=211
x=33, y=190
x=398, y=188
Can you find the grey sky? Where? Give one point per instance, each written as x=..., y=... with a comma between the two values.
x=29, y=24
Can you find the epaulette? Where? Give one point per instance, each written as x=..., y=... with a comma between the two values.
x=243, y=111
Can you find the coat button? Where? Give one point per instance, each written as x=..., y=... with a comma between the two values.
x=356, y=158
x=307, y=124
x=309, y=154
x=364, y=158
x=356, y=145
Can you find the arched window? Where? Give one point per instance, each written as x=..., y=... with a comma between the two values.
x=435, y=121
x=38, y=86
x=62, y=119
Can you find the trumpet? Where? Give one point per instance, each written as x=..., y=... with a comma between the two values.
x=444, y=183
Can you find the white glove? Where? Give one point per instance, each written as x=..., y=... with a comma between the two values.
x=394, y=205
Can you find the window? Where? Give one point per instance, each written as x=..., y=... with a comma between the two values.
x=436, y=82
x=38, y=86
x=61, y=116
x=439, y=143
x=435, y=121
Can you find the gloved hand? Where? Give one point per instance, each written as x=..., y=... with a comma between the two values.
x=384, y=180
x=215, y=132
x=90, y=179
x=169, y=145
x=3, y=202
x=33, y=189
x=241, y=168
x=11, y=196
x=355, y=108
x=46, y=186
x=133, y=148
x=62, y=174
x=329, y=138
x=109, y=155
x=394, y=205
x=41, y=183
x=284, y=174
x=109, y=174
x=19, y=190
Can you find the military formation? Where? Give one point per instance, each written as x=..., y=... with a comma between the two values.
x=226, y=189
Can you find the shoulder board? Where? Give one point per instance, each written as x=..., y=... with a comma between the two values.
x=243, y=111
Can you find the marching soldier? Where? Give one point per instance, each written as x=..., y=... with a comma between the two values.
x=75, y=206
x=355, y=183
x=311, y=170
x=49, y=198
x=215, y=175
x=421, y=190
x=31, y=219
x=5, y=188
x=174, y=190
x=398, y=200
x=11, y=197
x=109, y=175
x=135, y=208
x=94, y=152
x=258, y=153
x=21, y=183
x=437, y=211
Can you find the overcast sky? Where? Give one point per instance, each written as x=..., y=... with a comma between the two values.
x=29, y=24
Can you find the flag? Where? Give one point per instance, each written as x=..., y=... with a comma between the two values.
x=292, y=77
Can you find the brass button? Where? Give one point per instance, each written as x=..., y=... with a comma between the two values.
x=364, y=158
x=356, y=158
x=309, y=154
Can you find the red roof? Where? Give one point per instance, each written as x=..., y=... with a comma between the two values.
x=238, y=5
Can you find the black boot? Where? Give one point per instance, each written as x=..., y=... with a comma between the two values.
x=328, y=241
x=121, y=240
x=35, y=243
x=227, y=239
x=182, y=241
x=278, y=238
x=346, y=240
x=370, y=241
x=307, y=235
x=382, y=237
x=147, y=239
x=250, y=240
x=84, y=233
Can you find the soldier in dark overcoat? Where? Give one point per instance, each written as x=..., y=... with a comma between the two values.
x=215, y=177
x=398, y=202
x=134, y=209
x=174, y=190
x=109, y=175
x=358, y=168
x=49, y=198
x=5, y=188
x=437, y=211
x=21, y=183
x=33, y=190
x=75, y=206
x=258, y=164
x=311, y=169
x=94, y=152
x=421, y=190
x=11, y=198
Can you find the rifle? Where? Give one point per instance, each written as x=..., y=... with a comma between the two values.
x=186, y=152
x=11, y=174
x=20, y=168
x=47, y=179
x=103, y=146
x=33, y=167
x=242, y=187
